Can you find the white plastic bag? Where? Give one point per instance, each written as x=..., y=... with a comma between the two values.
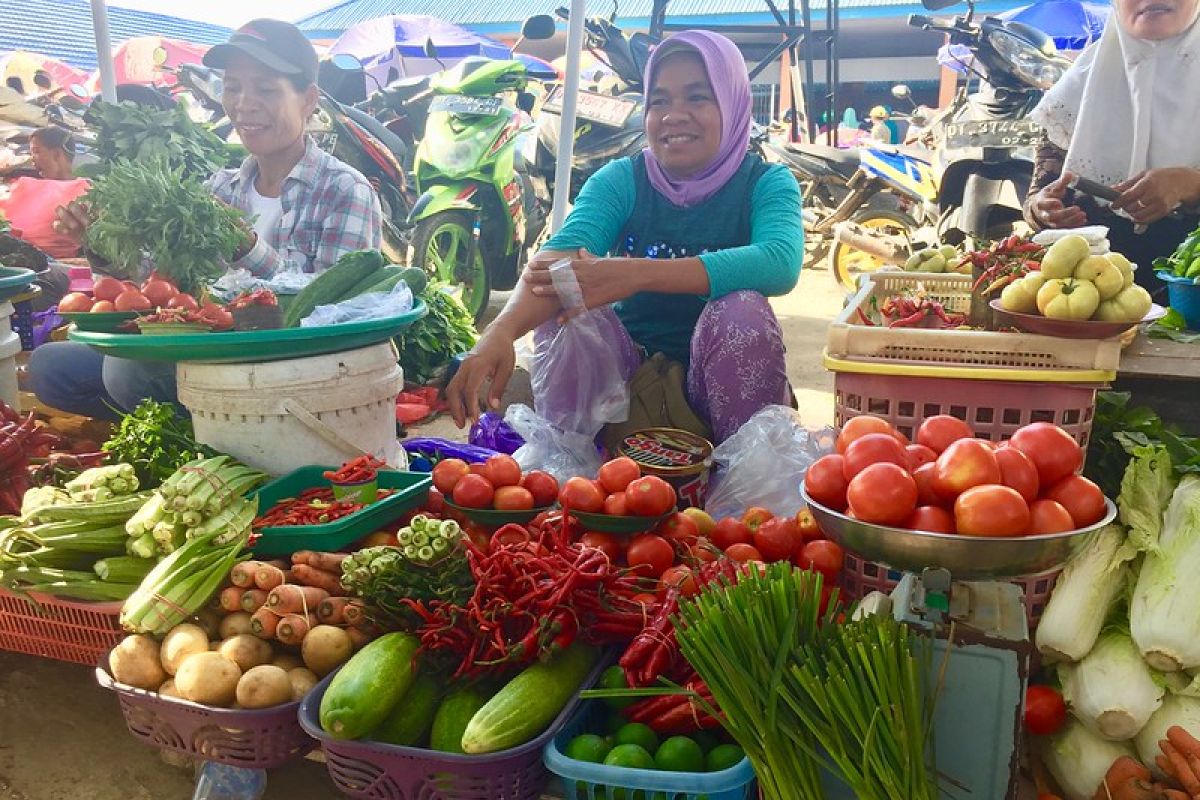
x=564, y=454
x=373, y=305
x=764, y=462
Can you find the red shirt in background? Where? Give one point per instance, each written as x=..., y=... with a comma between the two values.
x=30, y=209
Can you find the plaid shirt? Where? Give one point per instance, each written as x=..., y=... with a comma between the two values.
x=329, y=209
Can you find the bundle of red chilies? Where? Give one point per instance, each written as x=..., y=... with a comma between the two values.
x=22, y=440
x=362, y=469
x=313, y=506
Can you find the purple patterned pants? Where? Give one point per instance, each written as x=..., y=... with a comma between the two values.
x=737, y=359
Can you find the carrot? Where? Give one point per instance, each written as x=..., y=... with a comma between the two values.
x=253, y=599
x=242, y=575
x=331, y=611
x=291, y=599
x=268, y=576
x=357, y=636
x=293, y=628
x=306, y=575
x=231, y=599
x=278, y=562
x=330, y=562
x=264, y=622
x=355, y=613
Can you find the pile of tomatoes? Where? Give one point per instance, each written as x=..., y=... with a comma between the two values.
x=497, y=483
x=950, y=482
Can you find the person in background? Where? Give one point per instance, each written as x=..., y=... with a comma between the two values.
x=880, y=130
x=308, y=208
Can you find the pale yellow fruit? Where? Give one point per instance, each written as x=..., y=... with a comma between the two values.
x=1124, y=264
x=1102, y=272
x=1129, y=306
x=703, y=520
x=1064, y=255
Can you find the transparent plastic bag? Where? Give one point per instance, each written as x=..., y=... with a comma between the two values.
x=373, y=305
x=764, y=462
x=564, y=454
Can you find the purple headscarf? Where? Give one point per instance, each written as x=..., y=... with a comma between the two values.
x=727, y=73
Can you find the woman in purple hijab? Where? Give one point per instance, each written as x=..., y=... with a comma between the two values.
x=679, y=247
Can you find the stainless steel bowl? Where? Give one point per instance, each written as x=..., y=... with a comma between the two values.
x=966, y=557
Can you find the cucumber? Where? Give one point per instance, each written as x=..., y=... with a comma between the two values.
x=416, y=278
x=370, y=281
x=332, y=284
x=369, y=686
x=452, y=717
x=529, y=702
x=410, y=720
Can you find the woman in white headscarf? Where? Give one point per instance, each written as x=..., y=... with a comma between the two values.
x=1127, y=115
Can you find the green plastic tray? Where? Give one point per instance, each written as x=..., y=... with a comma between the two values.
x=249, y=346
x=98, y=321
x=494, y=518
x=412, y=488
x=13, y=281
x=608, y=523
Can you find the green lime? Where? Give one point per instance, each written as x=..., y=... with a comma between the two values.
x=637, y=733
x=706, y=739
x=614, y=678
x=723, y=756
x=588, y=747
x=679, y=754
x=629, y=755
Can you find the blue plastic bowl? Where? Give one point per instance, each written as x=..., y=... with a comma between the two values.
x=1184, y=295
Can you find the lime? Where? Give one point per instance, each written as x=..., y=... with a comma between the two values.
x=639, y=734
x=679, y=754
x=614, y=678
x=706, y=739
x=723, y=756
x=588, y=747
x=629, y=755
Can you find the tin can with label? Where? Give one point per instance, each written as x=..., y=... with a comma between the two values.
x=681, y=458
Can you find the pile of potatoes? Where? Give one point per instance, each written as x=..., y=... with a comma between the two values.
x=234, y=669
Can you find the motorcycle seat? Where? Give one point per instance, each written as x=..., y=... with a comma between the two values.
x=843, y=162
x=377, y=129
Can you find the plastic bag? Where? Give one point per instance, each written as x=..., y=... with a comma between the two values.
x=492, y=431
x=429, y=451
x=373, y=305
x=564, y=454
x=764, y=462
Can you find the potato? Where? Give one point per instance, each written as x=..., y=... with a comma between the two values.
x=264, y=686
x=135, y=661
x=326, y=648
x=168, y=690
x=302, y=680
x=209, y=620
x=246, y=650
x=233, y=625
x=208, y=678
x=287, y=661
x=181, y=642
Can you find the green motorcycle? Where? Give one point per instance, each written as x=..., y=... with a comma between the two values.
x=469, y=224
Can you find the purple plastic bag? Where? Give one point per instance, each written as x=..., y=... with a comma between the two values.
x=493, y=432
x=43, y=323
x=434, y=450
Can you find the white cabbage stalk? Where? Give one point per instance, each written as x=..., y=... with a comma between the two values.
x=1177, y=709
x=1164, y=614
x=1146, y=489
x=1079, y=759
x=1111, y=690
x=1083, y=596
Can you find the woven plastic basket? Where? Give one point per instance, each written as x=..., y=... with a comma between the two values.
x=377, y=771
x=260, y=739
x=52, y=627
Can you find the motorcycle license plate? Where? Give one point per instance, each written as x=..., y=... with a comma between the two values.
x=461, y=104
x=601, y=109
x=991, y=133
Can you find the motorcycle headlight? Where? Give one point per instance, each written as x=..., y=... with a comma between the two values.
x=1028, y=62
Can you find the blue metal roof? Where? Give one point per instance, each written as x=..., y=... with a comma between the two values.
x=62, y=29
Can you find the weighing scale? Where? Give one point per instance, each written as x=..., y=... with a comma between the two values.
x=953, y=588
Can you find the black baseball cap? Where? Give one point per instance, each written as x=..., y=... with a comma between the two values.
x=275, y=44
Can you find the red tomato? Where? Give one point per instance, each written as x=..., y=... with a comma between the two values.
x=883, y=493
x=542, y=486
x=755, y=516
x=1082, y=499
x=731, y=531
x=480, y=536
x=645, y=599
x=807, y=523
x=825, y=557
x=473, y=491
x=580, y=494
x=132, y=300
x=447, y=473
x=917, y=454
x=650, y=555
x=965, y=463
x=682, y=577
x=704, y=550
x=1045, y=711
x=616, y=475
x=604, y=542
x=478, y=469
x=991, y=510
x=931, y=518
x=1018, y=472
x=183, y=300
x=512, y=498
x=107, y=288
x=857, y=427
x=1052, y=450
x=1049, y=516
x=942, y=430
x=678, y=527
x=743, y=552
x=75, y=302
x=926, y=495
x=615, y=505
x=436, y=502
x=778, y=538
x=873, y=448
x=502, y=470
x=825, y=481
x=159, y=292
x=99, y=307
x=650, y=496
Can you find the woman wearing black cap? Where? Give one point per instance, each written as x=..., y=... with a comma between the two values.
x=308, y=208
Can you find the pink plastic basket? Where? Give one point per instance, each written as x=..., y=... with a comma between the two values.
x=260, y=739
x=51, y=627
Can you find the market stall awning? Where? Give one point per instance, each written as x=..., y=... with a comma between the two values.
x=140, y=61
x=24, y=66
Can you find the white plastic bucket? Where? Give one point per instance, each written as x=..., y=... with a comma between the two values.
x=280, y=415
x=10, y=345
